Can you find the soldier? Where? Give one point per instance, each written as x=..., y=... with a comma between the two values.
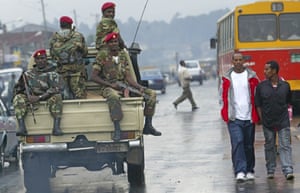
x=67, y=48
x=39, y=84
x=107, y=25
x=111, y=66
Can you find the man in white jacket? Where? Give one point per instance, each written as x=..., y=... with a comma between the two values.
x=185, y=79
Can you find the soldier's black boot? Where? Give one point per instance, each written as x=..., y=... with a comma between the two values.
x=56, y=127
x=149, y=129
x=22, y=128
x=117, y=133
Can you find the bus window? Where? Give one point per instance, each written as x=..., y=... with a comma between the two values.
x=256, y=28
x=289, y=25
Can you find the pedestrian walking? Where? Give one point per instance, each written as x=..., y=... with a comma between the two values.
x=67, y=48
x=185, y=79
x=240, y=114
x=272, y=98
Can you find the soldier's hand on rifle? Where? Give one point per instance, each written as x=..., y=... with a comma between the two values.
x=142, y=89
x=33, y=99
x=115, y=86
x=126, y=92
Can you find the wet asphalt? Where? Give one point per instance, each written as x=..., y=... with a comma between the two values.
x=191, y=156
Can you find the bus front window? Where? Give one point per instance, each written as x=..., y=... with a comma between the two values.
x=289, y=25
x=257, y=28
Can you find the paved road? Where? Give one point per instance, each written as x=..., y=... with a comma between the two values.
x=192, y=156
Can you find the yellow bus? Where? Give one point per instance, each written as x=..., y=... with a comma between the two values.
x=262, y=30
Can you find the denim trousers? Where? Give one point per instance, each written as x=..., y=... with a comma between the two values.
x=242, y=135
x=284, y=149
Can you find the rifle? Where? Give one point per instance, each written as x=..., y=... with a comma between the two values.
x=131, y=89
x=28, y=94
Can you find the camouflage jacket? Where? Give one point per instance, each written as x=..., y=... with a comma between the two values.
x=106, y=26
x=111, y=68
x=68, y=47
x=40, y=81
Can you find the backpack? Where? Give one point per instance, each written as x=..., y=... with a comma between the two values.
x=65, y=49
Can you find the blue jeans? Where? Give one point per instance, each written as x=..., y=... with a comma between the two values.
x=285, y=149
x=242, y=134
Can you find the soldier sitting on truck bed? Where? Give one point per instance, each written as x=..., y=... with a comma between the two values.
x=111, y=67
x=41, y=83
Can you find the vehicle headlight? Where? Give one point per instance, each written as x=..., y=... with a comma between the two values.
x=150, y=81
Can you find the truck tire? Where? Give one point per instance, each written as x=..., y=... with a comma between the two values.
x=37, y=171
x=2, y=157
x=135, y=174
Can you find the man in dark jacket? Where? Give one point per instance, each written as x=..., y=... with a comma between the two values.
x=272, y=98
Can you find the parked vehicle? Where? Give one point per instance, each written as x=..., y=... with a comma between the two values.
x=8, y=138
x=155, y=79
x=194, y=69
x=9, y=77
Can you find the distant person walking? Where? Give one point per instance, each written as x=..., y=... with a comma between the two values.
x=185, y=79
x=272, y=99
x=239, y=112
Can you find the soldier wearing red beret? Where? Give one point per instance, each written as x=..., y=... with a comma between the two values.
x=67, y=48
x=110, y=36
x=39, y=52
x=44, y=84
x=107, y=5
x=113, y=65
x=107, y=25
x=66, y=19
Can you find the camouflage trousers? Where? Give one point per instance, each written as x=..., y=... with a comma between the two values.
x=114, y=104
x=74, y=85
x=22, y=106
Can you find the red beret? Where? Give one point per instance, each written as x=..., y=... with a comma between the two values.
x=108, y=5
x=39, y=52
x=110, y=36
x=66, y=19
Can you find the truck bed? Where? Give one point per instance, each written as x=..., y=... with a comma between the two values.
x=88, y=117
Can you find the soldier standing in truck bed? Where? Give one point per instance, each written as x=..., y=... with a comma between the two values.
x=41, y=83
x=112, y=66
x=107, y=25
x=67, y=48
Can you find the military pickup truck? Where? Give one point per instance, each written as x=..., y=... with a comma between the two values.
x=87, y=140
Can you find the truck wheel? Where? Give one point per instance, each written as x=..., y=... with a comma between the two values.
x=2, y=156
x=37, y=172
x=135, y=174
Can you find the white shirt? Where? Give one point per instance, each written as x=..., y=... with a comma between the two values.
x=241, y=95
x=184, y=76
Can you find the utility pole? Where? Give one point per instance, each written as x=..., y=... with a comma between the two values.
x=45, y=25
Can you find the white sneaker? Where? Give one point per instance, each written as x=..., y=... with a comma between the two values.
x=250, y=176
x=240, y=177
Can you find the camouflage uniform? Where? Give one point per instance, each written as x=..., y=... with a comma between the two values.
x=106, y=26
x=39, y=81
x=112, y=71
x=67, y=48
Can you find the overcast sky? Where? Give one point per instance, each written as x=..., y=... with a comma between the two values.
x=31, y=10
